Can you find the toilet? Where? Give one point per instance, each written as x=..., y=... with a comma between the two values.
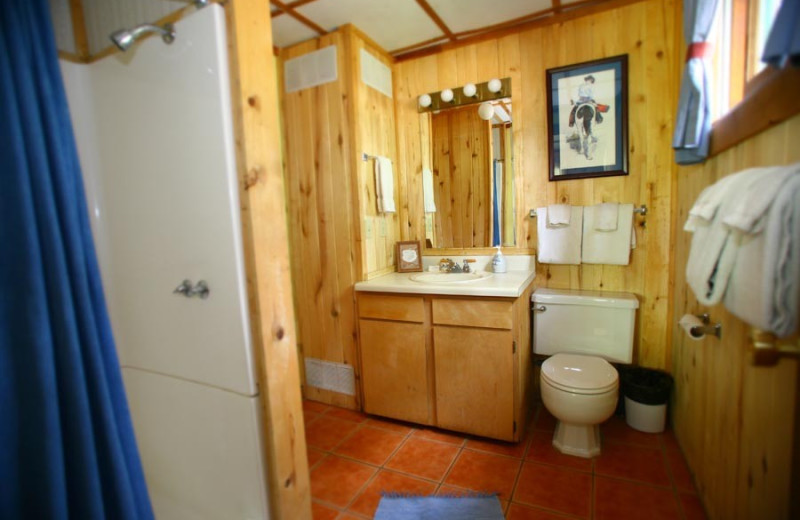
x=581, y=331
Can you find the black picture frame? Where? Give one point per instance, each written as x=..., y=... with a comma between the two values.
x=587, y=119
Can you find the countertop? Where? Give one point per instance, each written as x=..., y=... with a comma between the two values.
x=511, y=284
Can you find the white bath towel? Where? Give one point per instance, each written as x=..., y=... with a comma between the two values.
x=384, y=185
x=427, y=191
x=608, y=247
x=606, y=216
x=561, y=245
x=558, y=215
x=764, y=285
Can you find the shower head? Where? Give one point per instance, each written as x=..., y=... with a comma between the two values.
x=124, y=38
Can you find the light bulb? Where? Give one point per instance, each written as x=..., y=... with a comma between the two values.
x=424, y=101
x=447, y=95
x=469, y=89
x=494, y=85
x=486, y=111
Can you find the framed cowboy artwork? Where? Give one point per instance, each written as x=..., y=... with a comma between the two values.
x=587, y=119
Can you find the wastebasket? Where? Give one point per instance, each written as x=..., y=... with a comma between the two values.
x=646, y=394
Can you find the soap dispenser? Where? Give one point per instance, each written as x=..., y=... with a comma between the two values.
x=499, y=262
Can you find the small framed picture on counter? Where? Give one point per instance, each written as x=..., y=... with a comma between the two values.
x=408, y=256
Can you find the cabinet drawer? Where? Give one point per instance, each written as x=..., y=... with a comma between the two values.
x=494, y=314
x=389, y=307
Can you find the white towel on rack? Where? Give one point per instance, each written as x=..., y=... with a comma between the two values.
x=427, y=191
x=558, y=215
x=608, y=247
x=384, y=185
x=757, y=196
x=561, y=245
x=709, y=201
x=764, y=285
x=606, y=216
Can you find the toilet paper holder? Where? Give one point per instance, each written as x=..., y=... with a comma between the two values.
x=700, y=331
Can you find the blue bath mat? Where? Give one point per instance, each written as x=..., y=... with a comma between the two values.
x=471, y=507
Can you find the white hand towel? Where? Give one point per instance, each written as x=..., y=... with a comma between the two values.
x=606, y=216
x=713, y=252
x=757, y=196
x=608, y=247
x=558, y=215
x=384, y=185
x=709, y=201
x=561, y=245
x=427, y=191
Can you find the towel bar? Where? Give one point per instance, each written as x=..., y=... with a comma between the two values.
x=366, y=157
x=767, y=349
x=641, y=210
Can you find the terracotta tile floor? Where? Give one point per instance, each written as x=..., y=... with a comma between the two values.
x=353, y=457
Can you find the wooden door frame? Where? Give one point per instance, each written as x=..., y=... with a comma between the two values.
x=265, y=238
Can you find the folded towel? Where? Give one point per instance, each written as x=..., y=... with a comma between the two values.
x=605, y=216
x=712, y=254
x=384, y=185
x=608, y=247
x=764, y=285
x=561, y=245
x=710, y=199
x=757, y=196
x=427, y=191
x=558, y=215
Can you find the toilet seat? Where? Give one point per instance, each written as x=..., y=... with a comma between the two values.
x=580, y=374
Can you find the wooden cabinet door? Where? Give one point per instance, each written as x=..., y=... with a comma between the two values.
x=394, y=370
x=475, y=381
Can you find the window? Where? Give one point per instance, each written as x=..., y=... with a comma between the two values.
x=739, y=34
x=748, y=97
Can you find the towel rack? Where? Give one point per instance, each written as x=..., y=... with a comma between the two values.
x=366, y=157
x=641, y=210
x=767, y=349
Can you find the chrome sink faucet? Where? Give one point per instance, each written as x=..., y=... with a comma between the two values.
x=446, y=265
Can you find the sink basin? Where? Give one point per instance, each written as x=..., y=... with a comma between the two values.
x=449, y=277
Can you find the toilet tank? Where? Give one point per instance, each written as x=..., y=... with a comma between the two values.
x=584, y=322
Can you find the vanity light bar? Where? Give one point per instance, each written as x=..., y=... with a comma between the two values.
x=641, y=210
x=482, y=93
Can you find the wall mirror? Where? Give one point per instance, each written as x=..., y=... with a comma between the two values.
x=468, y=188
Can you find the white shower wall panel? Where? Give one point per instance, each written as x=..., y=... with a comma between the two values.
x=198, y=466
x=167, y=203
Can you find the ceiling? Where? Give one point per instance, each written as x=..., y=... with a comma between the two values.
x=405, y=26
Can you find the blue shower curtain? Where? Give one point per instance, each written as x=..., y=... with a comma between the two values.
x=67, y=448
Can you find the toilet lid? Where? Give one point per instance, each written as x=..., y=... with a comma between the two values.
x=581, y=374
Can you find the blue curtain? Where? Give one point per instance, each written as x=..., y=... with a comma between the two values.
x=693, y=124
x=783, y=43
x=67, y=448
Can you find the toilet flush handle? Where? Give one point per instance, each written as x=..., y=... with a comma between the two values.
x=540, y=308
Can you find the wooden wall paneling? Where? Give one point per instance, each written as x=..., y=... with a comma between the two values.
x=374, y=134
x=661, y=98
x=317, y=133
x=440, y=153
x=734, y=421
x=254, y=94
x=648, y=38
x=79, y=29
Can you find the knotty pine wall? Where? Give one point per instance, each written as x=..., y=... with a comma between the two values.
x=462, y=156
x=336, y=236
x=646, y=32
x=735, y=422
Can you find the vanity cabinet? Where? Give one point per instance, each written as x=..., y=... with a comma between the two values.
x=458, y=363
